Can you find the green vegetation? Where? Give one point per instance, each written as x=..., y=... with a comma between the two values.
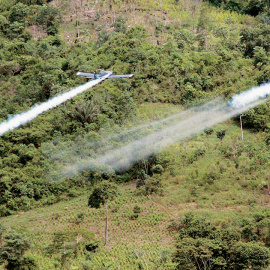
x=15, y=245
x=201, y=203
x=250, y=7
x=205, y=245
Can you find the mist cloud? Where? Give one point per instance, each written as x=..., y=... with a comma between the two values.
x=250, y=96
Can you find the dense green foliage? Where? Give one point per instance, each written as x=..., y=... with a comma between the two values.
x=102, y=193
x=203, y=245
x=251, y=7
x=13, y=250
x=181, y=52
x=188, y=66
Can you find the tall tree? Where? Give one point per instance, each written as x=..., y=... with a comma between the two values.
x=204, y=24
x=101, y=194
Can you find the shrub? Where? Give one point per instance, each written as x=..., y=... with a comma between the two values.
x=211, y=176
x=208, y=131
x=92, y=246
x=158, y=169
x=86, y=265
x=13, y=249
x=134, y=216
x=263, y=185
x=153, y=185
x=198, y=152
x=137, y=209
x=221, y=134
x=251, y=255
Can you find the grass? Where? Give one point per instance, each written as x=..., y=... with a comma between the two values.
x=88, y=17
x=210, y=184
x=146, y=233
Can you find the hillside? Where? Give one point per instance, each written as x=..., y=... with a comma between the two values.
x=200, y=203
x=210, y=186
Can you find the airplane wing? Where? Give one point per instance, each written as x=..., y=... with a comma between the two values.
x=121, y=76
x=86, y=75
x=103, y=73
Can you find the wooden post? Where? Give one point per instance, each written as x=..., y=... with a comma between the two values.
x=106, y=226
x=241, y=124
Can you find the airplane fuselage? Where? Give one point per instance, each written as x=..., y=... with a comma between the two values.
x=103, y=73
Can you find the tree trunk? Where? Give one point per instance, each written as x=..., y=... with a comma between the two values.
x=106, y=226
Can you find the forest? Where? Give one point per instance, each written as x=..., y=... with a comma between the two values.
x=201, y=203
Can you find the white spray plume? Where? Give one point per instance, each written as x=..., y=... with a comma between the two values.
x=250, y=96
x=122, y=157
x=25, y=117
x=127, y=135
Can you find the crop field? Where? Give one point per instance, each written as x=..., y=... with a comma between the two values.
x=205, y=184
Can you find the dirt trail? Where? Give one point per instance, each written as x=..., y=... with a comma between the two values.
x=163, y=207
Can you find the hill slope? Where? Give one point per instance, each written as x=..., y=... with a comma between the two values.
x=182, y=52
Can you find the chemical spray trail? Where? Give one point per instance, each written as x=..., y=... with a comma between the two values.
x=26, y=117
x=127, y=135
x=250, y=95
x=122, y=157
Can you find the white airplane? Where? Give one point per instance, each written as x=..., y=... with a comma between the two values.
x=102, y=73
